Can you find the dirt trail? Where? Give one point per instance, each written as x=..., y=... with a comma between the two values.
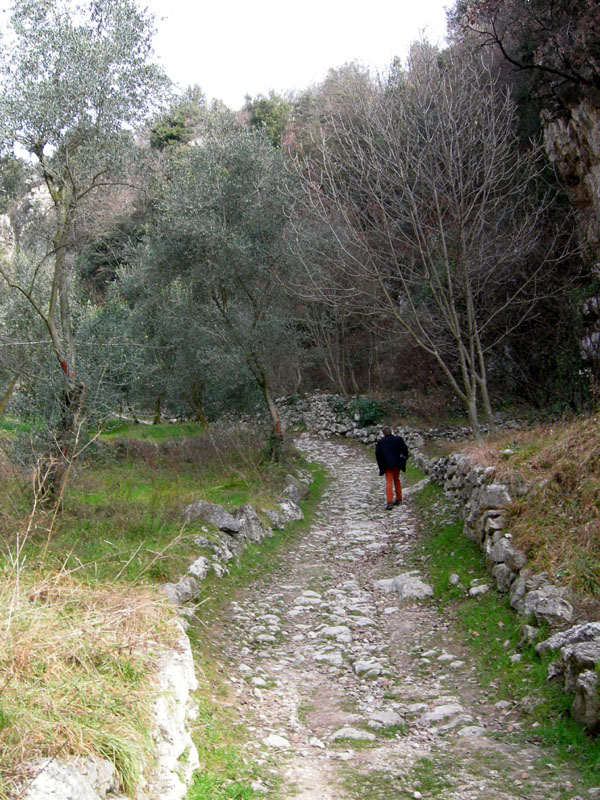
x=355, y=694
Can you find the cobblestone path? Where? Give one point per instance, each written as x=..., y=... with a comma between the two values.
x=354, y=695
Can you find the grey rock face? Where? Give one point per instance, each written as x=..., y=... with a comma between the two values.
x=59, y=781
x=586, y=705
x=211, y=512
x=250, y=525
x=587, y=632
x=177, y=757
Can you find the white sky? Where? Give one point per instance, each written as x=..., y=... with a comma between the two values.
x=231, y=48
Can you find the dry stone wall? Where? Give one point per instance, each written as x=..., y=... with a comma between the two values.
x=484, y=504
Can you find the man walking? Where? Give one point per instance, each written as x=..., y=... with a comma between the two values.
x=391, y=453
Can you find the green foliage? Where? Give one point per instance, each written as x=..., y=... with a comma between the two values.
x=74, y=80
x=179, y=124
x=370, y=411
x=271, y=114
x=207, y=283
x=71, y=79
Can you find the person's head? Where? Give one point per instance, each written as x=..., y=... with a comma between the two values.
x=386, y=431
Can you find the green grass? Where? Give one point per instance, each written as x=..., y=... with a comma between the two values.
x=225, y=773
x=121, y=514
x=68, y=688
x=486, y=624
x=429, y=777
x=158, y=433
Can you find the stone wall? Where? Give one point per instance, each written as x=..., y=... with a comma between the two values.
x=330, y=415
x=483, y=504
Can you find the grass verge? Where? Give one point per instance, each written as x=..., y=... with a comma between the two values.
x=76, y=664
x=81, y=619
x=492, y=631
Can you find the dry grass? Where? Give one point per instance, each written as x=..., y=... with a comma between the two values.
x=76, y=665
x=557, y=522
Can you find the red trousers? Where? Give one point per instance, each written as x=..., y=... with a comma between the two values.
x=392, y=482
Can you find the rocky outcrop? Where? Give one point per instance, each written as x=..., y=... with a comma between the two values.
x=572, y=142
x=73, y=779
x=176, y=757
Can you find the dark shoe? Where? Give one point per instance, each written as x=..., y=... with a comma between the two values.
x=389, y=506
x=397, y=501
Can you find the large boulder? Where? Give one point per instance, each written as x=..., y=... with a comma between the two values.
x=586, y=632
x=586, y=705
x=251, y=527
x=211, y=512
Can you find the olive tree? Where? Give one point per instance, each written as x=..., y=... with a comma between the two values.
x=74, y=79
x=217, y=246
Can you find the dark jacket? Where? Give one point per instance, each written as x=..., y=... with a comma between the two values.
x=391, y=451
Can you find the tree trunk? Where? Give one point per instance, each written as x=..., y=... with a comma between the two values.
x=277, y=437
x=7, y=394
x=473, y=415
x=59, y=462
x=157, y=413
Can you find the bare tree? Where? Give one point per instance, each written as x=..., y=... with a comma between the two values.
x=435, y=212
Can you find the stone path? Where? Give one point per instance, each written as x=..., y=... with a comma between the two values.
x=352, y=694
